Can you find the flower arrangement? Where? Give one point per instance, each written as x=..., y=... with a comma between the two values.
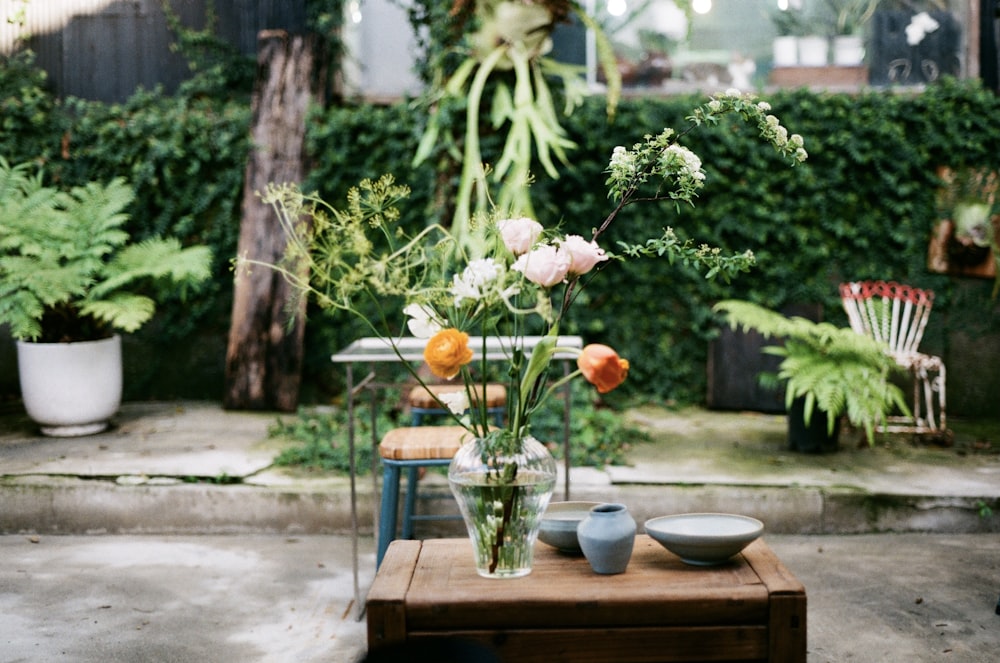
x=515, y=278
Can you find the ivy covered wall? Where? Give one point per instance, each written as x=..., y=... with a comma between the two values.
x=863, y=206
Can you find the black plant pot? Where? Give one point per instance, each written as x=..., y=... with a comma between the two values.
x=814, y=438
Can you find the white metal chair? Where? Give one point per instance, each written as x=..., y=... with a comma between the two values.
x=896, y=315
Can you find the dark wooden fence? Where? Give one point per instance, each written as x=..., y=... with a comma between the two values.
x=105, y=49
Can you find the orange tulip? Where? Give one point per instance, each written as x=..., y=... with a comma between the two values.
x=602, y=367
x=447, y=351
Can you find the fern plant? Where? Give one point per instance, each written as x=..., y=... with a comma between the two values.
x=69, y=271
x=834, y=369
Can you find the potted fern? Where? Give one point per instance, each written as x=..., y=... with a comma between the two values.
x=826, y=369
x=70, y=280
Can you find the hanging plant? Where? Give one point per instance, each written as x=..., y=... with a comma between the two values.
x=507, y=43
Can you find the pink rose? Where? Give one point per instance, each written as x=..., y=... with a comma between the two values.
x=545, y=265
x=519, y=235
x=584, y=255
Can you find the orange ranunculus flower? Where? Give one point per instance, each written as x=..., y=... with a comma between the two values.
x=602, y=367
x=447, y=351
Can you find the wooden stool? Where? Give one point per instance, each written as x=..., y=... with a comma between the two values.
x=411, y=448
x=423, y=404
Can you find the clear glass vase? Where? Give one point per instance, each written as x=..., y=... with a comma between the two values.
x=503, y=490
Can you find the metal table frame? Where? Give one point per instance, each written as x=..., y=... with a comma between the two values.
x=375, y=350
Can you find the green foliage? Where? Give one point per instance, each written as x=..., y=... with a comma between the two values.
x=218, y=68
x=319, y=439
x=25, y=109
x=599, y=435
x=862, y=207
x=833, y=368
x=65, y=261
x=185, y=159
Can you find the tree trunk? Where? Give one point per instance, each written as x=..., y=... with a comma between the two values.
x=264, y=357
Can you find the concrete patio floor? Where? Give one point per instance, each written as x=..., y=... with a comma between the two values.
x=172, y=538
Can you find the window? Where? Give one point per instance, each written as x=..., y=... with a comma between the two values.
x=751, y=43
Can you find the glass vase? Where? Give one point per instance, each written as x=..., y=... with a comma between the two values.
x=502, y=491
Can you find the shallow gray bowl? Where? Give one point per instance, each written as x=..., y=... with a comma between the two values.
x=704, y=539
x=558, y=528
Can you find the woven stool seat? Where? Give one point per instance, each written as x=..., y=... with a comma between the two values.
x=496, y=395
x=411, y=448
x=423, y=442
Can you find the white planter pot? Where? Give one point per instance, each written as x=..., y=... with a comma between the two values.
x=71, y=389
x=813, y=51
x=848, y=51
x=785, y=51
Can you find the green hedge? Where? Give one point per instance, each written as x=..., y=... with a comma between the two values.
x=185, y=157
x=861, y=207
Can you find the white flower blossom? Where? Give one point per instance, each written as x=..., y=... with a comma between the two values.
x=781, y=136
x=622, y=165
x=456, y=401
x=763, y=106
x=691, y=161
x=475, y=280
x=733, y=92
x=424, y=321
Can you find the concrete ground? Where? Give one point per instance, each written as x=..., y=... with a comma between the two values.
x=904, y=598
x=172, y=538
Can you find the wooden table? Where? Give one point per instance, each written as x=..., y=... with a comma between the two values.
x=660, y=609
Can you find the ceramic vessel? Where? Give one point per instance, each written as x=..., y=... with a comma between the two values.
x=848, y=50
x=502, y=493
x=785, y=50
x=704, y=539
x=813, y=51
x=606, y=537
x=560, y=522
x=71, y=389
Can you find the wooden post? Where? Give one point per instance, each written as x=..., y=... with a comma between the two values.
x=264, y=356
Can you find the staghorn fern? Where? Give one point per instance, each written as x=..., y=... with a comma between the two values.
x=65, y=261
x=834, y=369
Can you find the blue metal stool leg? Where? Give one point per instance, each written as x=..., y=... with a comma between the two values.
x=390, y=501
x=409, y=505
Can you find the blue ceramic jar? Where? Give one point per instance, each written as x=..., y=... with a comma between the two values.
x=606, y=538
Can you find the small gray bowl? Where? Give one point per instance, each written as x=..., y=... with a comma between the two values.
x=558, y=528
x=704, y=539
